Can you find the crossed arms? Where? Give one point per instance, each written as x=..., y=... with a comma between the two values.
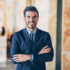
x=44, y=55
x=24, y=57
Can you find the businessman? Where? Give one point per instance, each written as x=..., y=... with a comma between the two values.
x=31, y=47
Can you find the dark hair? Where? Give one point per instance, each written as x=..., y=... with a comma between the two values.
x=31, y=8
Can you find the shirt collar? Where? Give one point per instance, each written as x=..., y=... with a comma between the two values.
x=34, y=32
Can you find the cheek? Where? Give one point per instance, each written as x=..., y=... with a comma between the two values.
x=25, y=19
x=37, y=20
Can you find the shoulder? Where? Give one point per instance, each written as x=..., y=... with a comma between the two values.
x=45, y=33
x=18, y=33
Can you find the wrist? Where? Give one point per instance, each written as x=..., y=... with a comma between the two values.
x=29, y=57
x=32, y=57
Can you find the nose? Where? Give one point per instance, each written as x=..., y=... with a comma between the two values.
x=31, y=19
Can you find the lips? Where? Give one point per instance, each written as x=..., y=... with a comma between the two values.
x=31, y=24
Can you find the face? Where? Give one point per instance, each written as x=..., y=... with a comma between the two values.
x=31, y=19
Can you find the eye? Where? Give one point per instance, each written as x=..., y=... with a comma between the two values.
x=34, y=17
x=27, y=16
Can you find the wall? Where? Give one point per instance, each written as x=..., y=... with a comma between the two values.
x=52, y=30
x=66, y=36
x=3, y=43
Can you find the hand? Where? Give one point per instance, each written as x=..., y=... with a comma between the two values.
x=45, y=50
x=21, y=57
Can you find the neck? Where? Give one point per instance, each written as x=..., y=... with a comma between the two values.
x=31, y=29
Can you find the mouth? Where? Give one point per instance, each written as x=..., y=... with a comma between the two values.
x=32, y=23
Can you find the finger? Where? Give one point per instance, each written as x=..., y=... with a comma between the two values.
x=17, y=60
x=15, y=55
x=19, y=55
x=47, y=50
x=45, y=47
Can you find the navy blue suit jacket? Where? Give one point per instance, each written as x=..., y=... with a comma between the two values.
x=21, y=44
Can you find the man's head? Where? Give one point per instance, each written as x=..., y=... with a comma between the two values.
x=31, y=16
x=31, y=8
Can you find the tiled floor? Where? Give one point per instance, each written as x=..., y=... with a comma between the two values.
x=7, y=66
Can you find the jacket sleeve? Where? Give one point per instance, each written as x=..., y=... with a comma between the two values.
x=46, y=57
x=15, y=48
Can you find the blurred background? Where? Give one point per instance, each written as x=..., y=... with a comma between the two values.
x=54, y=18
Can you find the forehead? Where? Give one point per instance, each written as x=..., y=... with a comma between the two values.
x=31, y=13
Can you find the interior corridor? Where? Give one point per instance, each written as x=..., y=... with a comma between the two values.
x=54, y=18
x=7, y=66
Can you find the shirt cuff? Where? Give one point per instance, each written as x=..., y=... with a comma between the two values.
x=32, y=57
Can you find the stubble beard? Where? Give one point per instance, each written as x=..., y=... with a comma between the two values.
x=31, y=27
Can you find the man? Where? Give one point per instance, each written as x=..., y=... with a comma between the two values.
x=31, y=47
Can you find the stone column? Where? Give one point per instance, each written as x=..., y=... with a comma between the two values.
x=52, y=29
x=66, y=36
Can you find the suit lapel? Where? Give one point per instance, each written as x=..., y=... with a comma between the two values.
x=28, y=42
x=26, y=34
x=37, y=38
